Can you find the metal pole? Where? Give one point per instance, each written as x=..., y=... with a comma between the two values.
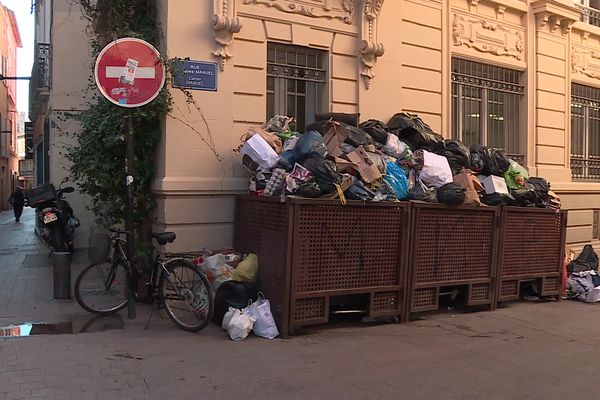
x=129, y=157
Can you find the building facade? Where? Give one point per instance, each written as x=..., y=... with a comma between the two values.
x=519, y=75
x=59, y=81
x=10, y=40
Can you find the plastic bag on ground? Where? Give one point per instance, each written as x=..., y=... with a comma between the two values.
x=516, y=175
x=396, y=178
x=232, y=294
x=310, y=144
x=436, y=171
x=264, y=325
x=587, y=260
x=247, y=269
x=239, y=324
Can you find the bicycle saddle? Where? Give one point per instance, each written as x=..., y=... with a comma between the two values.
x=164, y=237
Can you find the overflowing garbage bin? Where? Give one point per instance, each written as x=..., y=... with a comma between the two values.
x=454, y=248
x=313, y=251
x=532, y=250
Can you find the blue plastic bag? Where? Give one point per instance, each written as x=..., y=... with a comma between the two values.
x=396, y=178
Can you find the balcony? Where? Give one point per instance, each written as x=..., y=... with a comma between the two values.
x=590, y=15
x=39, y=87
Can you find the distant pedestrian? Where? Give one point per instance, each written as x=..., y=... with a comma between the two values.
x=17, y=199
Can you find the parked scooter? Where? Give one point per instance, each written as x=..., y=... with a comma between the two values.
x=54, y=219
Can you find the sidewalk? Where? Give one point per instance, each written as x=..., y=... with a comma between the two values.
x=524, y=351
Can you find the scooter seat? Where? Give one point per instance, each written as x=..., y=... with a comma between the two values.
x=164, y=237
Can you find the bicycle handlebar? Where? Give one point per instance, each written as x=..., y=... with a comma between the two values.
x=119, y=231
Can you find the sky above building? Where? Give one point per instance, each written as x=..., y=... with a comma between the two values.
x=25, y=20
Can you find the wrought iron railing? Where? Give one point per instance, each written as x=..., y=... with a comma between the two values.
x=589, y=14
x=585, y=170
x=519, y=158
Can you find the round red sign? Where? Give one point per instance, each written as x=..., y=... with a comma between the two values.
x=129, y=72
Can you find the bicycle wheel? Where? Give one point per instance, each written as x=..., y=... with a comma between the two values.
x=102, y=288
x=186, y=295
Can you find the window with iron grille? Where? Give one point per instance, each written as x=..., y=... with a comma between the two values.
x=296, y=82
x=485, y=105
x=590, y=11
x=585, y=132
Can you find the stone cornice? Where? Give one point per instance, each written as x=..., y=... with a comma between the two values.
x=555, y=14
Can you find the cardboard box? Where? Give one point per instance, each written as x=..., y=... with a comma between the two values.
x=364, y=165
x=495, y=184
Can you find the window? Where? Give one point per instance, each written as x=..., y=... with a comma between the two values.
x=296, y=82
x=485, y=105
x=590, y=11
x=585, y=132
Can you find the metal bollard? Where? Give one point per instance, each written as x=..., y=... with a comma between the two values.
x=61, y=262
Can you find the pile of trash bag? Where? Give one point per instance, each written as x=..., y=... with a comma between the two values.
x=403, y=159
x=583, y=281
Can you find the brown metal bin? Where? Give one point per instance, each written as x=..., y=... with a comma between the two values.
x=452, y=246
x=533, y=248
x=312, y=250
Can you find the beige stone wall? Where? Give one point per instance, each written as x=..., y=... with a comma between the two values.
x=71, y=69
x=540, y=38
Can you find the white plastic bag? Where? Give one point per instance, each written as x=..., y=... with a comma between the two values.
x=394, y=146
x=436, y=170
x=239, y=324
x=227, y=317
x=264, y=325
x=260, y=152
x=216, y=270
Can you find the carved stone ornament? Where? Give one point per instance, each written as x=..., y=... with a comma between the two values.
x=225, y=24
x=487, y=37
x=371, y=49
x=585, y=62
x=331, y=9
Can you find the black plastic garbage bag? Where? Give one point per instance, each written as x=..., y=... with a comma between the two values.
x=423, y=193
x=377, y=130
x=232, y=294
x=324, y=172
x=357, y=137
x=350, y=119
x=458, y=155
x=416, y=133
x=310, y=144
x=320, y=126
x=309, y=188
x=488, y=161
x=525, y=196
x=586, y=260
x=359, y=191
x=498, y=199
x=540, y=185
x=451, y=193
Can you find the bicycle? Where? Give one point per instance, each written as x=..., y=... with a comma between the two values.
x=175, y=283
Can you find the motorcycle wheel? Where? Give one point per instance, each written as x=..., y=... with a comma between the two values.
x=57, y=239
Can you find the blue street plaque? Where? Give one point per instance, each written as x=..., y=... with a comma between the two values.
x=198, y=75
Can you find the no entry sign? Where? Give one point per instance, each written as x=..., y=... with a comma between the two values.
x=129, y=72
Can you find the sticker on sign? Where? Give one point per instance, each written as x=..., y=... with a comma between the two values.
x=129, y=72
